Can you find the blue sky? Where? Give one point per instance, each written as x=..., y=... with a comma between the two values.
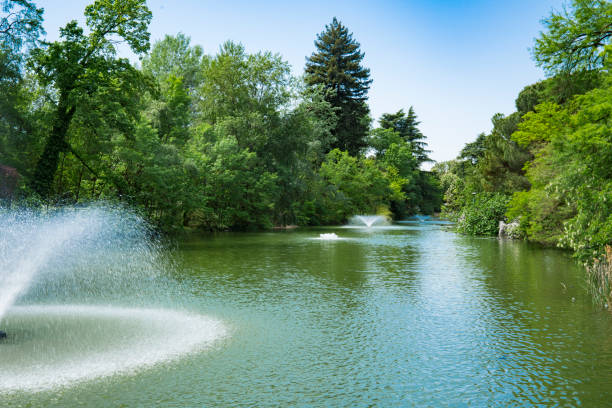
x=457, y=62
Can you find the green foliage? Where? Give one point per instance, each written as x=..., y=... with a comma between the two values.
x=238, y=192
x=400, y=157
x=474, y=151
x=451, y=177
x=337, y=66
x=575, y=39
x=153, y=175
x=317, y=119
x=173, y=56
x=569, y=202
x=80, y=66
x=541, y=216
x=493, y=163
x=22, y=124
x=128, y=19
x=554, y=155
x=429, y=193
x=541, y=125
x=381, y=139
x=20, y=25
x=599, y=275
x=587, y=176
x=400, y=149
x=171, y=113
x=237, y=82
x=212, y=142
x=558, y=89
x=401, y=168
x=482, y=214
x=351, y=186
x=243, y=98
x=406, y=126
x=501, y=166
x=20, y=28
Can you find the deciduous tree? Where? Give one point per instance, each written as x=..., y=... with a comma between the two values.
x=79, y=65
x=575, y=39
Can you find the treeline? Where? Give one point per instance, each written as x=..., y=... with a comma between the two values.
x=548, y=166
x=224, y=141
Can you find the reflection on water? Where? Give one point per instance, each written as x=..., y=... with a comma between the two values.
x=407, y=315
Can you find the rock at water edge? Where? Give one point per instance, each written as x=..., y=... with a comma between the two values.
x=510, y=230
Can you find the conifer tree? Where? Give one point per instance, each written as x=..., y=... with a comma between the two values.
x=406, y=125
x=336, y=65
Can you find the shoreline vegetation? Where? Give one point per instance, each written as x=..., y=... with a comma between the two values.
x=547, y=167
x=233, y=141
x=229, y=141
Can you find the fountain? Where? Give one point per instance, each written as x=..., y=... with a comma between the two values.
x=369, y=220
x=84, y=294
x=329, y=236
x=27, y=244
x=422, y=218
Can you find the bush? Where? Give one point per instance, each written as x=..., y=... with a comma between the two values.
x=481, y=216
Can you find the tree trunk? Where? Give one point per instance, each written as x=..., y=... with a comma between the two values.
x=56, y=143
x=78, y=189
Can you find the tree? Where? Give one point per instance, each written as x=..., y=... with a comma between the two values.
x=81, y=65
x=570, y=201
x=237, y=84
x=352, y=185
x=501, y=167
x=175, y=56
x=474, y=151
x=381, y=139
x=153, y=175
x=482, y=213
x=20, y=29
x=177, y=67
x=575, y=40
x=20, y=24
x=238, y=191
x=406, y=125
x=337, y=66
x=452, y=177
x=400, y=147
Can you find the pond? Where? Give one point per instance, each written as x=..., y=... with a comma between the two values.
x=411, y=314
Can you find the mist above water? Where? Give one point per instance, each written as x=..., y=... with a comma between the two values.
x=86, y=293
x=369, y=221
x=83, y=253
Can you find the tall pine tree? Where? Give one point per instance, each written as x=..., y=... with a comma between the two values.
x=336, y=65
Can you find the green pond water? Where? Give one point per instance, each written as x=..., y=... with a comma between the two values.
x=407, y=315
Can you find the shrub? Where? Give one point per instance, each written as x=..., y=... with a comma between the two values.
x=481, y=216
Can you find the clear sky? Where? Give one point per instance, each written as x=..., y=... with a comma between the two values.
x=457, y=62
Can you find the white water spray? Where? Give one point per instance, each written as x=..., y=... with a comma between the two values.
x=369, y=221
x=27, y=245
x=100, y=288
x=89, y=342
